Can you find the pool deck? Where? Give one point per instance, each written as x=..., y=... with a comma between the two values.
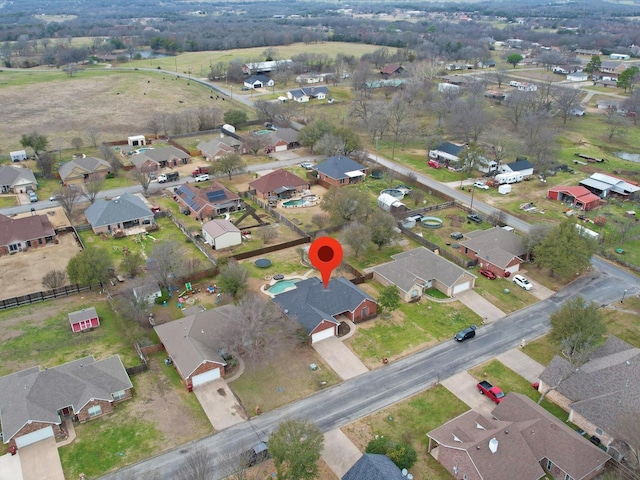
x=265, y=288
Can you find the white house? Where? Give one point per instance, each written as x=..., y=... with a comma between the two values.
x=258, y=81
x=578, y=77
x=147, y=293
x=619, y=56
x=302, y=95
x=521, y=166
x=18, y=155
x=221, y=234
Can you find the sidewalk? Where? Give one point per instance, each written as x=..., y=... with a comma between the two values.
x=522, y=364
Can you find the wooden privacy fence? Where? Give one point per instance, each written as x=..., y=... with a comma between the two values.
x=46, y=295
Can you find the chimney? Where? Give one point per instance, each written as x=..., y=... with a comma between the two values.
x=493, y=445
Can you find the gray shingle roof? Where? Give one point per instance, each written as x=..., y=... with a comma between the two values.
x=520, y=165
x=419, y=265
x=450, y=148
x=84, y=314
x=13, y=176
x=88, y=165
x=372, y=466
x=158, y=155
x=37, y=395
x=603, y=389
x=195, y=339
x=143, y=291
x=123, y=209
x=336, y=167
x=310, y=303
x=495, y=245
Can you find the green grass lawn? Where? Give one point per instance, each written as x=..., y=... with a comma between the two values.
x=8, y=201
x=494, y=291
x=410, y=421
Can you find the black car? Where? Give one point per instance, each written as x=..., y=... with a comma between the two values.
x=474, y=217
x=259, y=453
x=457, y=236
x=465, y=334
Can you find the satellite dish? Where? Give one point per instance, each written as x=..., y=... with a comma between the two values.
x=404, y=472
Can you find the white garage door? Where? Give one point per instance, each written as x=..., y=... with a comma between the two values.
x=281, y=148
x=462, y=287
x=513, y=269
x=34, y=437
x=205, y=377
x=321, y=335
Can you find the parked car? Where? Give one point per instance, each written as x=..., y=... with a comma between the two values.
x=494, y=393
x=168, y=177
x=434, y=164
x=202, y=178
x=33, y=197
x=465, y=334
x=457, y=236
x=307, y=165
x=258, y=453
x=522, y=282
x=487, y=273
x=481, y=185
x=55, y=198
x=474, y=217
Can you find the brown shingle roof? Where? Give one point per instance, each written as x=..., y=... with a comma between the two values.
x=277, y=179
x=14, y=230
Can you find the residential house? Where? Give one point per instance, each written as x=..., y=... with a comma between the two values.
x=521, y=166
x=281, y=140
x=84, y=319
x=81, y=170
x=487, y=63
x=459, y=80
x=218, y=147
x=448, y=87
x=16, y=179
x=147, y=293
x=157, y=158
x=304, y=94
x=208, y=202
x=265, y=67
x=279, y=184
x=35, y=402
x=577, y=197
x=318, y=309
x=18, y=155
x=258, y=81
x=496, y=249
x=619, y=56
x=373, y=466
x=338, y=171
x=446, y=153
x=392, y=70
x=527, y=87
x=602, y=395
x=419, y=269
x=221, y=234
x=119, y=214
x=310, y=78
x=388, y=83
x=18, y=234
x=195, y=343
x=578, y=111
x=578, y=77
x=610, y=70
x=520, y=440
x=606, y=185
x=564, y=69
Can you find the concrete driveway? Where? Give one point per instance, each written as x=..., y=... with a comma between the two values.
x=339, y=452
x=463, y=386
x=480, y=305
x=220, y=404
x=10, y=468
x=340, y=358
x=40, y=461
x=522, y=364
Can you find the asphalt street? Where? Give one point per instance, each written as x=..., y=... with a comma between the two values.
x=372, y=391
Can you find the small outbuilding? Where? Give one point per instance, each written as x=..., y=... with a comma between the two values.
x=147, y=293
x=137, y=141
x=18, y=155
x=221, y=234
x=84, y=319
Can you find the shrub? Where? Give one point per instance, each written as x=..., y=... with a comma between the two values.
x=402, y=454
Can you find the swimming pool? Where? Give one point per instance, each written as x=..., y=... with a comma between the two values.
x=282, y=285
x=263, y=132
x=142, y=150
x=307, y=201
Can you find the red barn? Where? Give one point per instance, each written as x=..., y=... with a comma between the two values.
x=84, y=319
x=578, y=197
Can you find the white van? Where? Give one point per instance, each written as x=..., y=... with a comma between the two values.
x=522, y=282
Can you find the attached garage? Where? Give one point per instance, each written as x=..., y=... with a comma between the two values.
x=205, y=377
x=281, y=147
x=34, y=437
x=463, y=287
x=322, y=334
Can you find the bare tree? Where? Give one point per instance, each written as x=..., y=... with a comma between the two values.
x=616, y=125
x=93, y=187
x=382, y=228
x=267, y=233
x=233, y=278
x=469, y=118
x=132, y=264
x=93, y=135
x=154, y=125
x=135, y=309
x=254, y=143
x=76, y=143
x=143, y=176
x=197, y=465
x=357, y=236
x=417, y=196
x=166, y=262
x=499, y=76
x=499, y=144
x=566, y=100
x=632, y=105
x=54, y=279
x=518, y=105
x=46, y=161
x=111, y=157
x=67, y=197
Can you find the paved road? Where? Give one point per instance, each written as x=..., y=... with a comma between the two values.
x=370, y=392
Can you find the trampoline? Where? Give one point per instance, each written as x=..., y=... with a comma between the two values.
x=262, y=263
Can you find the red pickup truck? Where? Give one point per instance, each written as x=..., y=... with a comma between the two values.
x=494, y=393
x=200, y=171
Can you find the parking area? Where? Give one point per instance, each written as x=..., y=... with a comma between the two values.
x=220, y=404
x=480, y=305
x=340, y=358
x=41, y=461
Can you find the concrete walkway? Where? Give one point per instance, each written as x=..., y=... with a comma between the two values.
x=340, y=358
x=340, y=454
x=522, y=364
x=487, y=310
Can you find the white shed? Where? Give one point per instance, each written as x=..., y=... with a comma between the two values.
x=221, y=234
x=18, y=155
x=388, y=202
x=137, y=140
x=504, y=189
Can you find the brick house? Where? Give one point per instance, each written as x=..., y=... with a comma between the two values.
x=118, y=214
x=194, y=343
x=81, y=170
x=35, y=402
x=16, y=180
x=279, y=183
x=338, y=171
x=18, y=234
x=218, y=147
x=317, y=309
x=157, y=158
x=496, y=249
x=521, y=440
x=208, y=202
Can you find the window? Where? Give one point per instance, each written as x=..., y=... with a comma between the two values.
x=549, y=464
x=84, y=324
x=95, y=411
x=13, y=247
x=365, y=311
x=119, y=395
x=342, y=180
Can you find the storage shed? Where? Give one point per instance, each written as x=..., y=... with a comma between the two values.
x=137, y=140
x=18, y=155
x=221, y=234
x=84, y=319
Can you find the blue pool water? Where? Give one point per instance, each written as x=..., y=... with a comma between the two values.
x=282, y=285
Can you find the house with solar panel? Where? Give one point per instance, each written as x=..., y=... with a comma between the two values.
x=207, y=203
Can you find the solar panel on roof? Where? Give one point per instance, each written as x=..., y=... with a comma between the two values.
x=216, y=195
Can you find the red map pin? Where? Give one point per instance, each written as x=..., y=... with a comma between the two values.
x=325, y=254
